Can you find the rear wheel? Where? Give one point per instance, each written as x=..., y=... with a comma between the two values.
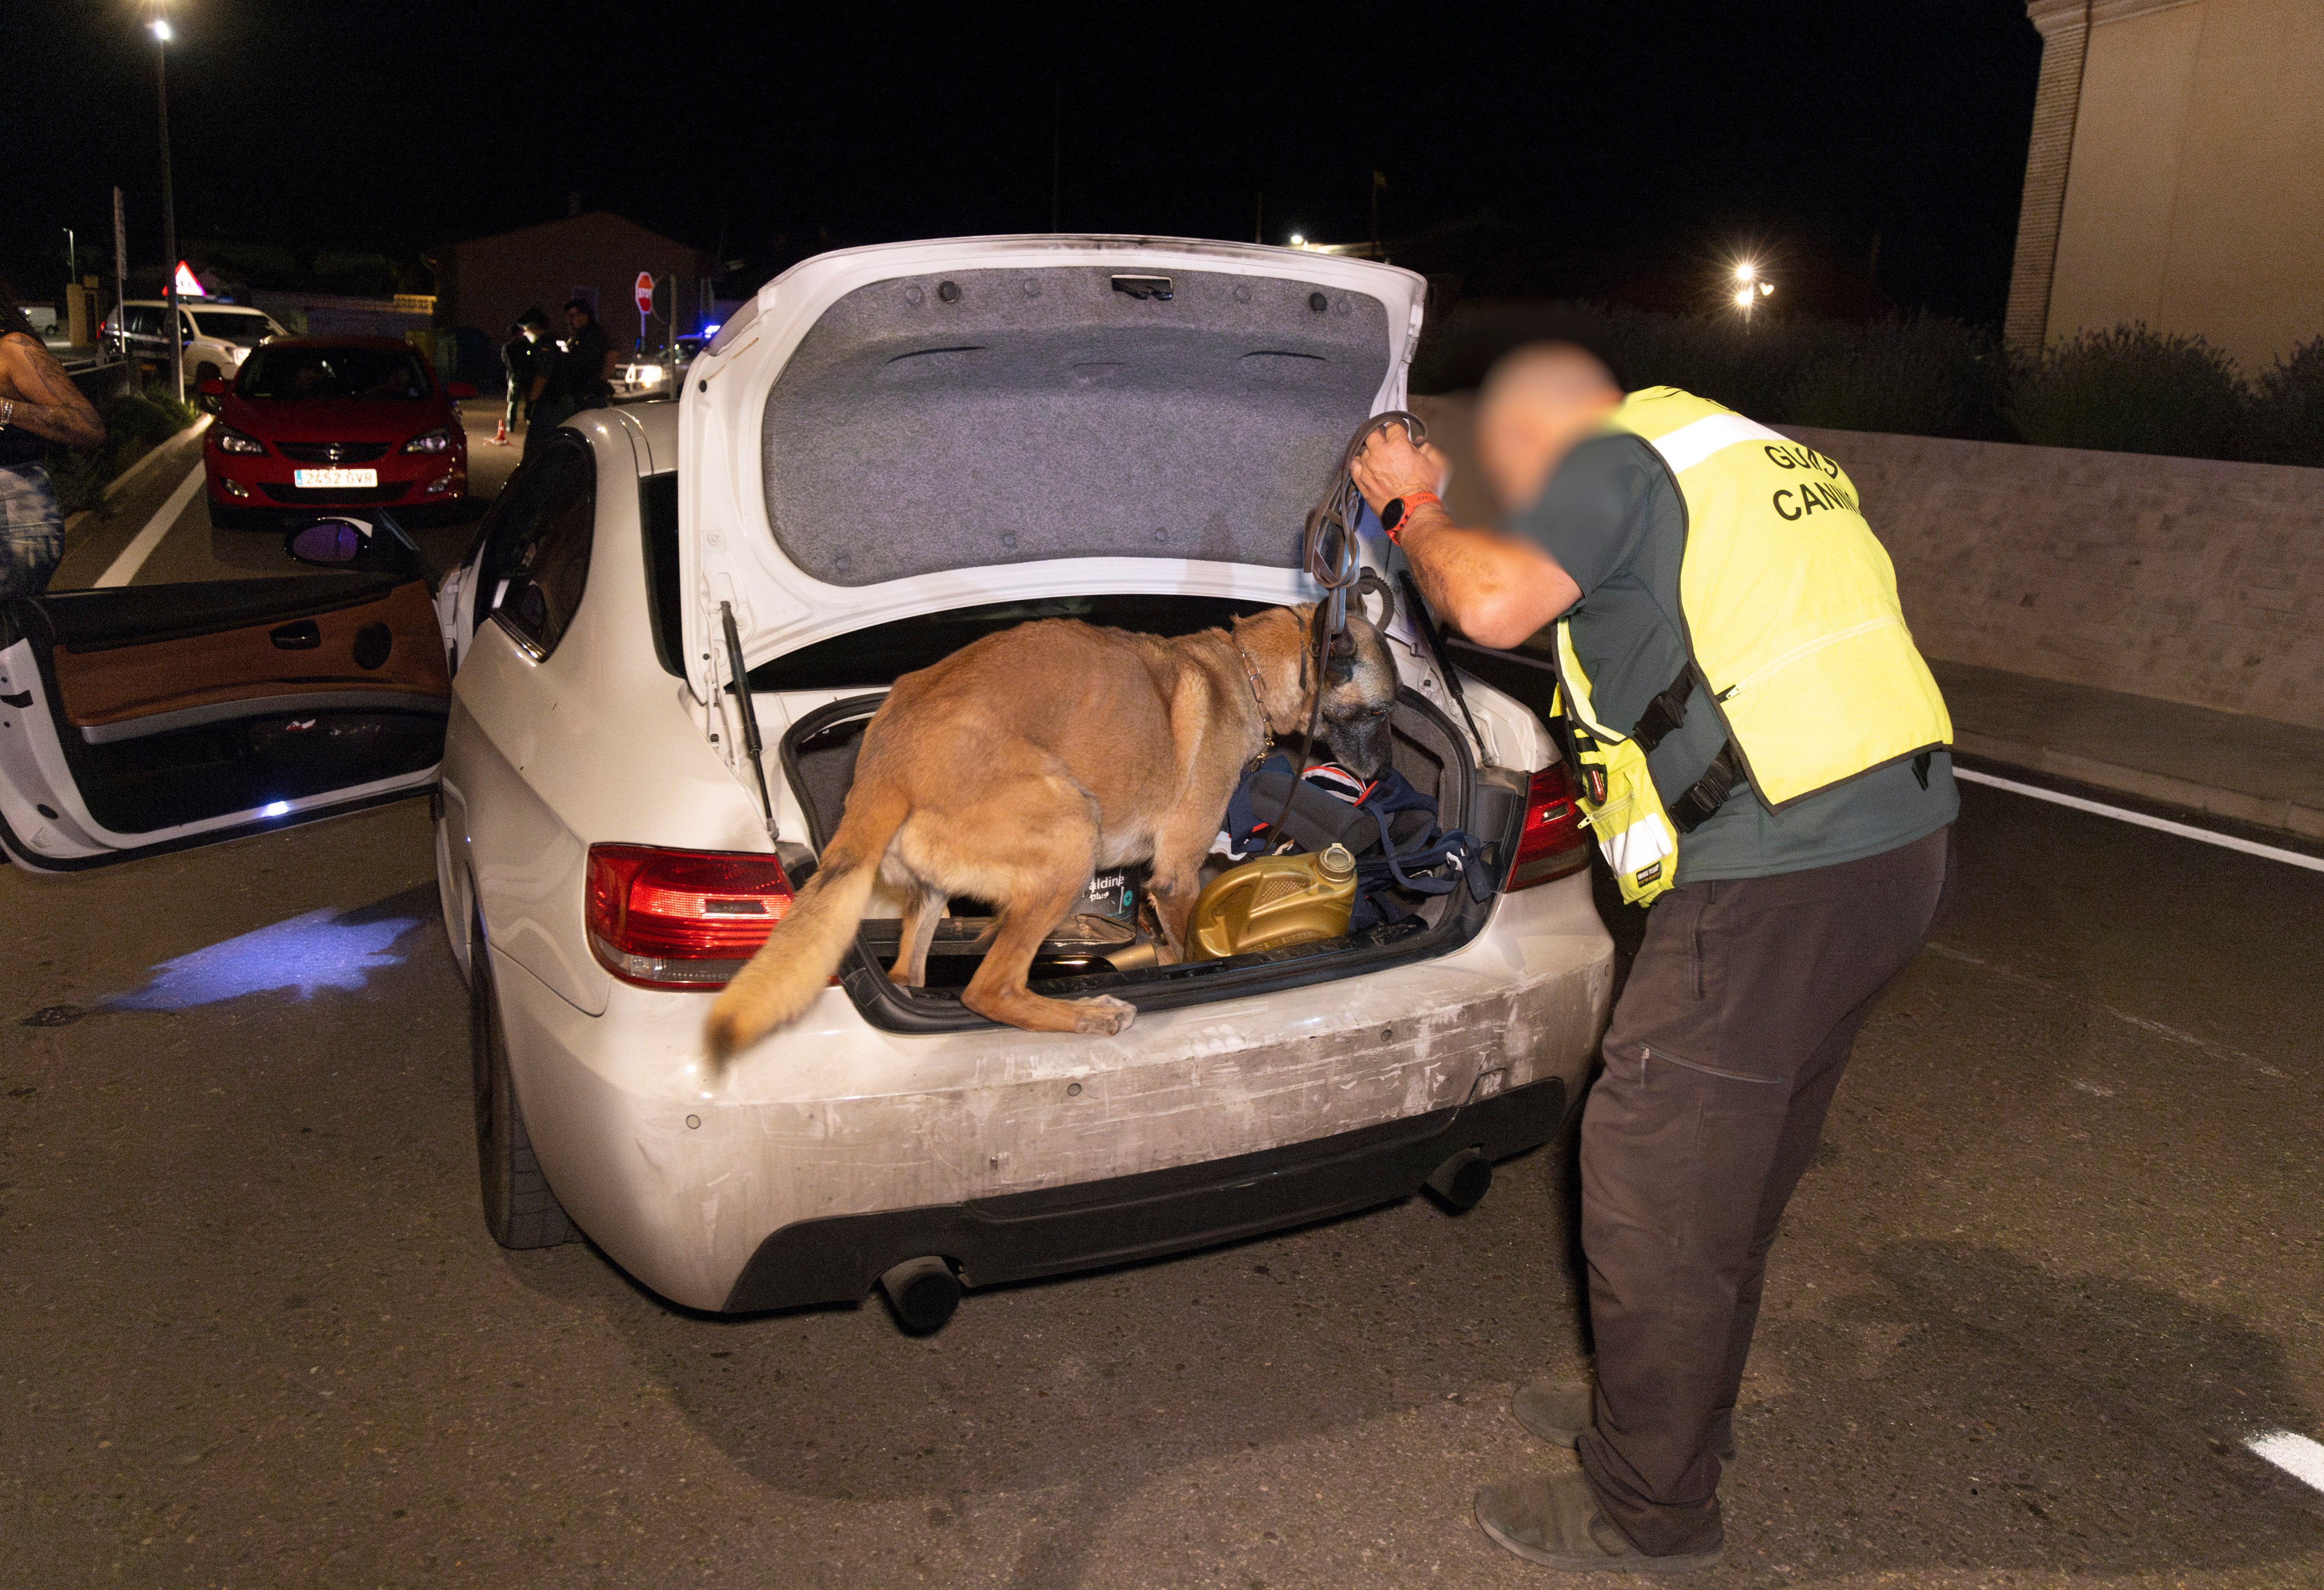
x=520, y=1210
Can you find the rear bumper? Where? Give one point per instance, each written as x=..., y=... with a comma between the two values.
x=826, y=1146
x=1022, y=1235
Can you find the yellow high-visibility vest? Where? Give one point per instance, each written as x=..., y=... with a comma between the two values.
x=1792, y=625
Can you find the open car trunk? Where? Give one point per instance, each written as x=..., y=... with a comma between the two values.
x=1090, y=954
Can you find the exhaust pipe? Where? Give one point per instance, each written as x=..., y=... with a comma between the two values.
x=1462, y=1182
x=923, y=1292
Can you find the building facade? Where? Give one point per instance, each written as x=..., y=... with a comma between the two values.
x=487, y=282
x=2175, y=175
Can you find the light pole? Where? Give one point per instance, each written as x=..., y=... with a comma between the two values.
x=160, y=26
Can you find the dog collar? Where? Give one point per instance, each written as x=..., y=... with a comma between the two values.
x=1266, y=731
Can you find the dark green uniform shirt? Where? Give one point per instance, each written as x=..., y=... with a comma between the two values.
x=1612, y=517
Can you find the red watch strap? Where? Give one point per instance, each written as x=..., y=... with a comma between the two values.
x=1404, y=507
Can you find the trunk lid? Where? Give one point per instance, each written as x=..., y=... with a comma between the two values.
x=890, y=430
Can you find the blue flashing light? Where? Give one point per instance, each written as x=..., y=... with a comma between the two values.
x=274, y=808
x=303, y=954
x=712, y=329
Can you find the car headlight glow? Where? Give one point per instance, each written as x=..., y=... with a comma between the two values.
x=230, y=440
x=439, y=440
x=649, y=376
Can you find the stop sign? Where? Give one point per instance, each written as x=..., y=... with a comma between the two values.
x=644, y=294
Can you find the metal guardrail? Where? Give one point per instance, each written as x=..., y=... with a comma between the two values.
x=100, y=374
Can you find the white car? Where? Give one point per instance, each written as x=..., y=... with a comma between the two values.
x=213, y=338
x=888, y=452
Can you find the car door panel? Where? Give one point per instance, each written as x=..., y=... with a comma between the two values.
x=113, y=689
x=143, y=718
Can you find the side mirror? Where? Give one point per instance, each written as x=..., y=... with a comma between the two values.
x=211, y=386
x=460, y=389
x=329, y=543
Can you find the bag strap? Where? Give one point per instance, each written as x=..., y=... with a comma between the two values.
x=1666, y=712
x=1708, y=793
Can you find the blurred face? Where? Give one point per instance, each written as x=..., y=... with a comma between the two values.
x=575, y=318
x=1510, y=457
x=1521, y=439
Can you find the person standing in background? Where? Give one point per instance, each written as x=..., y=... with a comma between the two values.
x=521, y=355
x=581, y=378
x=39, y=404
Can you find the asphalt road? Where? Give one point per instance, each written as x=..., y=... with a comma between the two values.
x=2060, y=1257
x=160, y=519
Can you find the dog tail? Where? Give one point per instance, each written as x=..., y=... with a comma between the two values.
x=799, y=957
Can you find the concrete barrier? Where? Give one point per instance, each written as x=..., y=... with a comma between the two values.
x=2184, y=579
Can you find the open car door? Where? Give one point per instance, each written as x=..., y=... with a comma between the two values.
x=141, y=719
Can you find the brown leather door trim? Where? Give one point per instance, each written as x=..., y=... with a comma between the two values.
x=123, y=684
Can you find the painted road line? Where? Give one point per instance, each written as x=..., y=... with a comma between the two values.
x=2295, y=1455
x=133, y=556
x=153, y=455
x=2314, y=863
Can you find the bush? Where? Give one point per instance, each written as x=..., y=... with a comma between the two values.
x=1924, y=374
x=2288, y=414
x=134, y=423
x=2131, y=390
x=1922, y=377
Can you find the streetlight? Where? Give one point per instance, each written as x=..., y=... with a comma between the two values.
x=162, y=33
x=1745, y=271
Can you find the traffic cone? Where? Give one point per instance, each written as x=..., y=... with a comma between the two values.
x=501, y=441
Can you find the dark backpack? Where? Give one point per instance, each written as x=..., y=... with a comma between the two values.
x=1389, y=826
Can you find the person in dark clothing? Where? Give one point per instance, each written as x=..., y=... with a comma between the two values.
x=581, y=378
x=516, y=365
x=1777, y=921
x=39, y=405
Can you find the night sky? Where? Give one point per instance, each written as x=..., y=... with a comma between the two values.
x=1618, y=151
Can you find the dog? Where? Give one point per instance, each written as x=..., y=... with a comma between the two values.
x=1022, y=764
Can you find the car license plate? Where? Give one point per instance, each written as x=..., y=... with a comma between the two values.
x=333, y=479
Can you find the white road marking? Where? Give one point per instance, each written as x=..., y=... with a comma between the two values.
x=155, y=456
x=2295, y=1455
x=2314, y=863
x=132, y=557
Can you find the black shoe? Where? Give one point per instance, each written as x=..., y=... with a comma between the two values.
x=1558, y=1409
x=1555, y=1520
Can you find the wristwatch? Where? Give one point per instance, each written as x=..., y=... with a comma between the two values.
x=1393, y=514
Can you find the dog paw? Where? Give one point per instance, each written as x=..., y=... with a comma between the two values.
x=1102, y=1016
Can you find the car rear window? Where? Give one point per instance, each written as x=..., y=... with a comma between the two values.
x=312, y=373
x=875, y=657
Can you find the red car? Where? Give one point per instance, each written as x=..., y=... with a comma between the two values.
x=321, y=424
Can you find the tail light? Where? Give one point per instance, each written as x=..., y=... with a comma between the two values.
x=681, y=919
x=1552, y=843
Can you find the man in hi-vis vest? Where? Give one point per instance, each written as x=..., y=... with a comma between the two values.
x=1762, y=756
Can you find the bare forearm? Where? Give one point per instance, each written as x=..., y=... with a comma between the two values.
x=1493, y=589
x=41, y=397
